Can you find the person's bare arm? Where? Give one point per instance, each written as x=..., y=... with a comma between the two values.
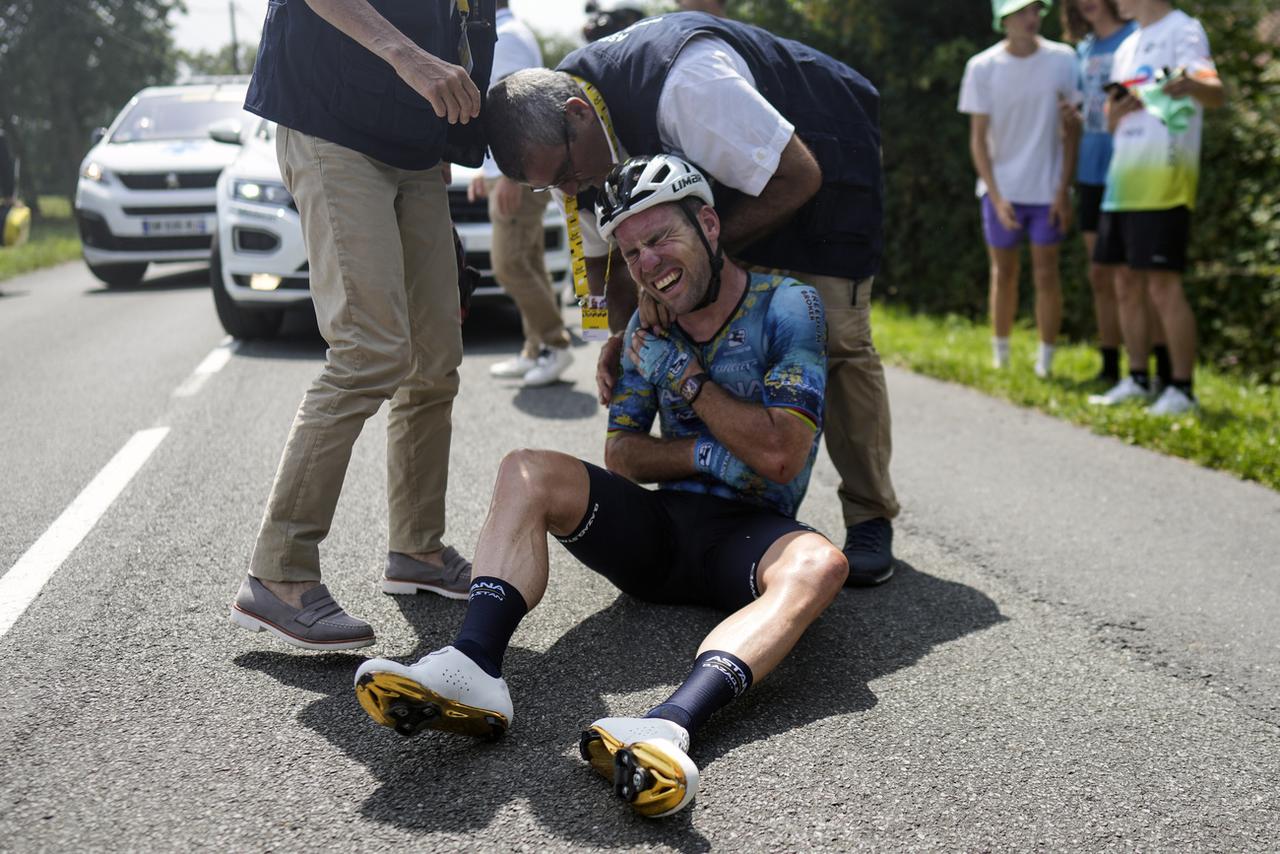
x=796, y=180
x=1206, y=88
x=1119, y=106
x=447, y=87
x=1060, y=213
x=770, y=440
x=649, y=459
x=979, y=124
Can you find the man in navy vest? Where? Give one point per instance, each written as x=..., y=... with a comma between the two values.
x=791, y=136
x=370, y=98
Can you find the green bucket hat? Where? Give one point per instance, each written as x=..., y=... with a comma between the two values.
x=1001, y=8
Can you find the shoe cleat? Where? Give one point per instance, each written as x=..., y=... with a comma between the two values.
x=656, y=778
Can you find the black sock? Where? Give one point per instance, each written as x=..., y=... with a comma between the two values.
x=1142, y=378
x=1183, y=386
x=493, y=612
x=717, y=678
x=1110, y=362
x=1164, y=367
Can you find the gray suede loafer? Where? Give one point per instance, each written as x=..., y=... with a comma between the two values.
x=319, y=624
x=406, y=575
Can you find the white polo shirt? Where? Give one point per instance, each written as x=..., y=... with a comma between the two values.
x=710, y=113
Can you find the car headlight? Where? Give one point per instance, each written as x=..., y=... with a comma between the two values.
x=261, y=192
x=94, y=172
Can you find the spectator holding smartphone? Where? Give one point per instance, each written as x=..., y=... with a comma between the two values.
x=1166, y=78
x=1097, y=29
x=1024, y=150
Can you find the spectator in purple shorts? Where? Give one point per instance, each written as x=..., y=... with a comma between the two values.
x=1024, y=151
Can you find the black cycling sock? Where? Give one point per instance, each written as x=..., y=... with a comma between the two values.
x=1142, y=378
x=1110, y=362
x=1164, y=367
x=717, y=678
x=493, y=612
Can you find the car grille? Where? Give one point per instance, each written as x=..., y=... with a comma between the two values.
x=161, y=180
x=463, y=211
x=94, y=232
x=164, y=211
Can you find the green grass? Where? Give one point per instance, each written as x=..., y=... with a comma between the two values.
x=54, y=239
x=1237, y=429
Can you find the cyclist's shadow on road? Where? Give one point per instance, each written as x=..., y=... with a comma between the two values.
x=441, y=783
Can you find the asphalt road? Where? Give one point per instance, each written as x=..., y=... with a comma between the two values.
x=1079, y=650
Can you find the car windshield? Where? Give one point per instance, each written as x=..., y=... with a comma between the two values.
x=182, y=115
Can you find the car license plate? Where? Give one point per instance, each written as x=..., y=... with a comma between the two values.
x=174, y=226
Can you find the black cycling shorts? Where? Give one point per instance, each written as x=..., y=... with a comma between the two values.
x=672, y=547
x=1144, y=240
x=1089, y=205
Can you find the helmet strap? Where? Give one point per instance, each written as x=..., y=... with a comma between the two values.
x=717, y=263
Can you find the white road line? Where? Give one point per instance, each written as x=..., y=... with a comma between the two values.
x=214, y=362
x=25, y=579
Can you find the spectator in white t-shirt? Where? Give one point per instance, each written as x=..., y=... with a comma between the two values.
x=1025, y=155
x=1165, y=77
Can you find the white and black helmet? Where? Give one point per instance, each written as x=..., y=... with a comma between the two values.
x=645, y=182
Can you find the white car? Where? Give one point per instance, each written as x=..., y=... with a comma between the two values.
x=259, y=264
x=146, y=188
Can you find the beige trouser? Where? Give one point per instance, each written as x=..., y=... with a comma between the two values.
x=519, y=265
x=857, y=422
x=384, y=282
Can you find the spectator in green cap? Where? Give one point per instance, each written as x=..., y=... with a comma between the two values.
x=1024, y=151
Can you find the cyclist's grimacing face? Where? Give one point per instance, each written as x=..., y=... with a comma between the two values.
x=665, y=257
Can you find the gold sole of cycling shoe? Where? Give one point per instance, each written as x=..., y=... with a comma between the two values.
x=644, y=775
x=409, y=708
x=598, y=748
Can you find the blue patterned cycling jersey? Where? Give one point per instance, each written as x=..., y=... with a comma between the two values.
x=773, y=352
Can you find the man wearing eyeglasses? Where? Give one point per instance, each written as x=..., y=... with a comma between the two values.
x=791, y=137
x=371, y=97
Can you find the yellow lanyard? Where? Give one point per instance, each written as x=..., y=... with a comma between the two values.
x=595, y=313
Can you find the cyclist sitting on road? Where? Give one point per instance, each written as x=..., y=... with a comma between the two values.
x=737, y=384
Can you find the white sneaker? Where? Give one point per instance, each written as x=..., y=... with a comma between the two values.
x=646, y=759
x=1173, y=401
x=510, y=369
x=445, y=690
x=551, y=364
x=1126, y=389
x=1044, y=360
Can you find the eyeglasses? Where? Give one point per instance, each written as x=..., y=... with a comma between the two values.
x=567, y=172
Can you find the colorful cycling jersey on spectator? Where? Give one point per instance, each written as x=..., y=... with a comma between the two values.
x=1095, y=58
x=772, y=352
x=1153, y=168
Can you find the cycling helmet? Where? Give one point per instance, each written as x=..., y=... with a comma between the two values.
x=645, y=182
x=642, y=183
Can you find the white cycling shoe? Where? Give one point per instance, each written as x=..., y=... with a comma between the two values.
x=445, y=690
x=646, y=759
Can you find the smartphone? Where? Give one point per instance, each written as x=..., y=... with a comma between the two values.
x=1116, y=90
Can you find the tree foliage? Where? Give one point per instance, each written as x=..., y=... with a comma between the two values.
x=68, y=66
x=915, y=51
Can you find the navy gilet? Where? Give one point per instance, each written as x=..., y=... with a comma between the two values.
x=835, y=110
x=311, y=77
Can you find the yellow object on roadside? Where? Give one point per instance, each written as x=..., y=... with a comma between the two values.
x=17, y=224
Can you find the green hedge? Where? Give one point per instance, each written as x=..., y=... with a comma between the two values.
x=915, y=51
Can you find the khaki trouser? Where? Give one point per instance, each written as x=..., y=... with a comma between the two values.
x=857, y=424
x=384, y=282
x=519, y=265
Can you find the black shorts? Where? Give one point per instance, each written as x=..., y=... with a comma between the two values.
x=1089, y=205
x=1144, y=240
x=676, y=548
